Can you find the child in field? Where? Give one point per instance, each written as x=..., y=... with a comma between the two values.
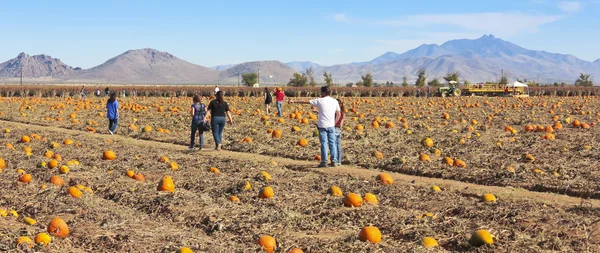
x=338, y=134
x=112, y=113
x=268, y=100
x=198, y=111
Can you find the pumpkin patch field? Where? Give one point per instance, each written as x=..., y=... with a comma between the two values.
x=67, y=186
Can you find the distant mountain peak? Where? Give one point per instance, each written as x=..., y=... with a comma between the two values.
x=597, y=61
x=34, y=66
x=302, y=65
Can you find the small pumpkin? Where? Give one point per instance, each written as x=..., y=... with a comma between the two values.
x=166, y=184
x=266, y=193
x=480, y=238
x=74, y=192
x=424, y=158
x=58, y=227
x=52, y=164
x=184, y=250
x=429, y=242
x=371, y=234
x=488, y=197
x=234, y=199
x=139, y=177
x=57, y=180
x=109, y=155
x=26, y=241
x=371, y=199
x=25, y=178
x=64, y=169
x=302, y=142
x=43, y=239
x=276, y=134
x=353, y=200
x=385, y=178
x=427, y=142
x=335, y=191
x=459, y=163
x=267, y=243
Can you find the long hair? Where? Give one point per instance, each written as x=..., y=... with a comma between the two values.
x=341, y=105
x=112, y=98
x=266, y=90
x=197, y=99
x=220, y=97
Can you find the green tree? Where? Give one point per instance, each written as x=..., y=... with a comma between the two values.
x=584, y=80
x=328, y=79
x=556, y=84
x=466, y=82
x=367, y=80
x=421, y=79
x=298, y=80
x=452, y=76
x=249, y=79
x=309, y=73
x=360, y=84
x=349, y=84
x=404, y=82
x=434, y=83
x=504, y=80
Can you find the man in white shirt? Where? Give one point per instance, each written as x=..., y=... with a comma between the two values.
x=329, y=113
x=216, y=90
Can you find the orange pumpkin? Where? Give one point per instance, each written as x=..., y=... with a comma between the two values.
x=53, y=164
x=2, y=163
x=459, y=163
x=276, y=134
x=424, y=158
x=109, y=155
x=267, y=243
x=139, y=177
x=266, y=193
x=385, y=178
x=25, y=178
x=166, y=184
x=58, y=228
x=74, y=192
x=371, y=234
x=57, y=180
x=25, y=139
x=303, y=142
x=353, y=200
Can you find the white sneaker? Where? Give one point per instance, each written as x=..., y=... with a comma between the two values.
x=111, y=133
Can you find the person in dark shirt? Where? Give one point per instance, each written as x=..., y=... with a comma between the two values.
x=268, y=100
x=198, y=111
x=217, y=110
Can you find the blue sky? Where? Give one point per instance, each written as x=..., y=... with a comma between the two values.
x=87, y=33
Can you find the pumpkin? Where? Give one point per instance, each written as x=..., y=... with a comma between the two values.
x=389, y=124
x=448, y=160
x=42, y=239
x=25, y=139
x=234, y=199
x=2, y=163
x=371, y=199
x=276, y=134
x=68, y=142
x=25, y=178
x=459, y=163
x=29, y=221
x=424, y=158
x=266, y=192
x=24, y=240
x=335, y=191
x=377, y=154
x=263, y=176
x=130, y=173
x=109, y=155
x=163, y=159
x=58, y=228
x=215, y=170
x=147, y=129
x=173, y=165
x=370, y=233
x=48, y=154
x=353, y=200
x=488, y=197
x=385, y=178
x=166, y=184
x=184, y=250
x=529, y=158
x=57, y=180
x=295, y=129
x=74, y=192
x=296, y=250
x=246, y=140
x=280, y=120
x=429, y=242
x=57, y=157
x=267, y=243
x=427, y=142
x=303, y=142
x=480, y=238
x=139, y=177
x=63, y=169
x=436, y=188
x=359, y=127
x=375, y=124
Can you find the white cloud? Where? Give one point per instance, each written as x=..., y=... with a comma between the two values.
x=340, y=17
x=499, y=24
x=570, y=6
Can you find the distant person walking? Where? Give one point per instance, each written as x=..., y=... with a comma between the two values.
x=216, y=90
x=329, y=113
x=82, y=93
x=338, y=133
x=112, y=113
x=217, y=110
x=279, y=96
x=268, y=100
x=198, y=112
x=106, y=91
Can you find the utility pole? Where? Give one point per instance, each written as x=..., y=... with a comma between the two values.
x=258, y=76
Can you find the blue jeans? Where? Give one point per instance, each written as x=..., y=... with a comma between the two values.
x=112, y=124
x=193, y=136
x=338, y=144
x=279, y=109
x=327, y=138
x=217, y=125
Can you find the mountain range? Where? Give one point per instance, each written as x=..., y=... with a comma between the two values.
x=482, y=59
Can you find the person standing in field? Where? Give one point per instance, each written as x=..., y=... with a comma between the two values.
x=329, y=113
x=216, y=90
x=112, y=113
x=82, y=93
x=338, y=133
x=106, y=91
x=198, y=112
x=268, y=100
x=279, y=96
x=217, y=110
